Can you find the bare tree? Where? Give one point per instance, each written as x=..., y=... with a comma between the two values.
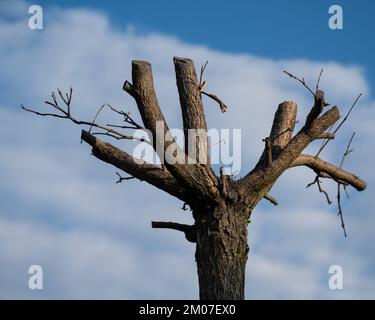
x=221, y=206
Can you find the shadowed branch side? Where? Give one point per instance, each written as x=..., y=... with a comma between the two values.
x=188, y=230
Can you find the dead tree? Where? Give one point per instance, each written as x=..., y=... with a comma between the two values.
x=221, y=206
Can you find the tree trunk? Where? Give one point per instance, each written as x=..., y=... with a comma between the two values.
x=221, y=253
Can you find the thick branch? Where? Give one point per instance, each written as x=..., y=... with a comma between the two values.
x=144, y=93
x=261, y=178
x=281, y=132
x=188, y=230
x=191, y=105
x=150, y=173
x=334, y=172
x=283, y=125
x=326, y=135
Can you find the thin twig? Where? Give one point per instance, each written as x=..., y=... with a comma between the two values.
x=203, y=68
x=281, y=133
x=121, y=178
x=340, y=124
x=346, y=190
x=96, y=116
x=202, y=84
x=42, y=114
x=302, y=81
x=317, y=83
x=320, y=188
x=126, y=116
x=340, y=213
x=66, y=114
x=348, y=150
x=222, y=105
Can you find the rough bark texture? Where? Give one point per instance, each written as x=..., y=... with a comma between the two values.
x=191, y=106
x=220, y=206
x=221, y=252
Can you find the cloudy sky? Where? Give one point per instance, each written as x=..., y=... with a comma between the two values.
x=61, y=208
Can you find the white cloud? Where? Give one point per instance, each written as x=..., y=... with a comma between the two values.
x=61, y=206
x=85, y=264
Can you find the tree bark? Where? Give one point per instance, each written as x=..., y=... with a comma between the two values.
x=221, y=252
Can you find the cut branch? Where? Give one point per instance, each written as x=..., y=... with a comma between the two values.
x=128, y=87
x=188, y=230
x=326, y=135
x=144, y=93
x=281, y=132
x=271, y=199
x=191, y=106
x=283, y=125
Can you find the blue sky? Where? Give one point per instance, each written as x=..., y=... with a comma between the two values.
x=276, y=29
x=60, y=206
